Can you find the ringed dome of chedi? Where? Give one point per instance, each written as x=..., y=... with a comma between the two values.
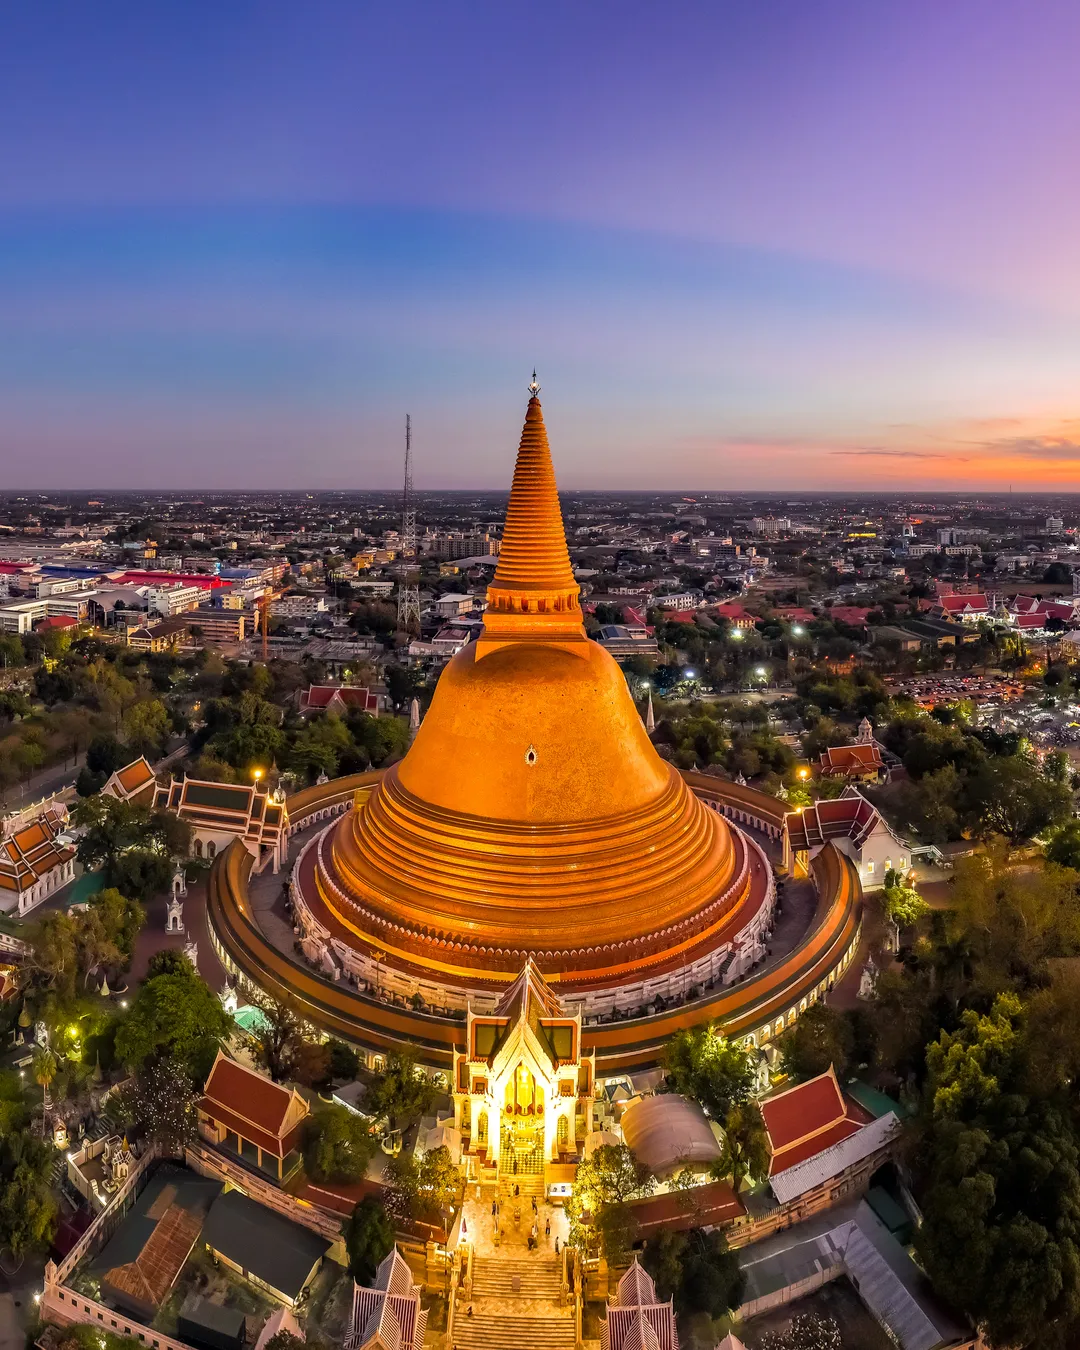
x=532, y=816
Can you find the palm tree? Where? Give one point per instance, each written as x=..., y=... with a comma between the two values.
x=44, y=1069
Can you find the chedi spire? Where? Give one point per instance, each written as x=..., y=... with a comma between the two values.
x=534, y=593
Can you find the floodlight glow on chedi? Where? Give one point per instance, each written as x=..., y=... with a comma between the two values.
x=532, y=816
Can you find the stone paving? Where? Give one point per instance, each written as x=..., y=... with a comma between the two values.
x=513, y=1237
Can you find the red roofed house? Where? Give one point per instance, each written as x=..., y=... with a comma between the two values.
x=856, y=828
x=852, y=761
x=338, y=698
x=636, y=1319
x=135, y=782
x=825, y=1147
x=258, y=1121
x=55, y=621
x=735, y=614
x=968, y=608
x=806, y=1119
x=34, y=861
x=862, y=760
x=853, y=615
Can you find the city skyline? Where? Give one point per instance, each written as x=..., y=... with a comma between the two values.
x=782, y=250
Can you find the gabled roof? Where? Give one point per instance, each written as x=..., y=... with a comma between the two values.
x=805, y=1120
x=635, y=1320
x=243, y=809
x=636, y=1286
x=851, y=817
x=262, y=1111
x=528, y=1002
x=31, y=851
x=798, y=1178
x=964, y=604
x=852, y=758
x=389, y=1313
x=318, y=696
x=133, y=780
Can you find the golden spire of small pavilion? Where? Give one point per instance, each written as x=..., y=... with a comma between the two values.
x=534, y=592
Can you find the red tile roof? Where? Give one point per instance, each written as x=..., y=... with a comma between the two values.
x=253, y=1106
x=804, y=1120
x=712, y=1203
x=851, y=758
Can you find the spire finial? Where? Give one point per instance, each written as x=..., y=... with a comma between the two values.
x=534, y=388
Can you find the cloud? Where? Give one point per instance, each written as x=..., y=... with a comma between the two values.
x=883, y=453
x=1038, y=447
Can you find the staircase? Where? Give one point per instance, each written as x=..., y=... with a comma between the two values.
x=528, y=1184
x=496, y=1323
x=498, y=1331
x=538, y=1277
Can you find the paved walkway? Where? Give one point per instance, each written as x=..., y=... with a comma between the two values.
x=513, y=1236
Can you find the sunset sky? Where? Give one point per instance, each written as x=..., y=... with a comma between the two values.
x=772, y=245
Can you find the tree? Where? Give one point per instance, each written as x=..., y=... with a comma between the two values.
x=169, y=961
x=1017, y=918
x=1009, y=795
x=116, y=919
x=277, y=1035
x=369, y=1239
x=745, y=1151
x=705, y=1066
x=164, y=1100
x=401, y=1093
x=53, y=955
x=696, y=1269
x=27, y=1205
x=344, y=1062
x=177, y=1015
x=421, y=1187
x=603, y=1188
x=44, y=1070
x=147, y=727
x=1063, y=846
x=806, y=1331
x=1001, y=1200
x=338, y=1145
x=822, y=1037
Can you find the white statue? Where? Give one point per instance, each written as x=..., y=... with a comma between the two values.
x=191, y=951
x=868, y=979
x=179, y=882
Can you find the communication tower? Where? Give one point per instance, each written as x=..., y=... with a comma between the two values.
x=408, y=609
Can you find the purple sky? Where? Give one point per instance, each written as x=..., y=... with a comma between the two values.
x=773, y=245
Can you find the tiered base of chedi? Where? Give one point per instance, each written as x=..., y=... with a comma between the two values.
x=530, y=821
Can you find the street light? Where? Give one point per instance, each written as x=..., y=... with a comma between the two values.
x=256, y=774
x=688, y=674
x=762, y=673
x=796, y=631
x=736, y=633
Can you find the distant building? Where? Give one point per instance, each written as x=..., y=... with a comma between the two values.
x=339, y=698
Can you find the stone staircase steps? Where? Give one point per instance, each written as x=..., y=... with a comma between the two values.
x=488, y=1331
x=539, y=1278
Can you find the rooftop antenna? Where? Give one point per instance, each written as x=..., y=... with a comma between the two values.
x=408, y=609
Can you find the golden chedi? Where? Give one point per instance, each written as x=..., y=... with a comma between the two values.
x=532, y=815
